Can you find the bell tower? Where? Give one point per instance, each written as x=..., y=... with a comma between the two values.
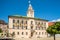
x=30, y=12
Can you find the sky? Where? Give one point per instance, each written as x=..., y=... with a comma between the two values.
x=45, y=9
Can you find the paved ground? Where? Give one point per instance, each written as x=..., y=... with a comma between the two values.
x=51, y=38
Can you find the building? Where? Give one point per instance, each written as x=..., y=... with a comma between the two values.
x=27, y=26
x=50, y=23
x=3, y=26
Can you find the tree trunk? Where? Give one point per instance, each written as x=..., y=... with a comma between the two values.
x=54, y=36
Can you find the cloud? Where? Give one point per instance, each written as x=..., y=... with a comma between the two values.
x=55, y=20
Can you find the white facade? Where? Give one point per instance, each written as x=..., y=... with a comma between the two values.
x=3, y=26
x=27, y=27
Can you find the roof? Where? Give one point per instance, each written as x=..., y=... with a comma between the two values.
x=2, y=22
x=19, y=16
x=50, y=23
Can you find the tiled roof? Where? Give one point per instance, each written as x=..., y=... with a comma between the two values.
x=50, y=23
x=19, y=16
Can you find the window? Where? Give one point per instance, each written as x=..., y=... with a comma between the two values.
x=45, y=28
x=39, y=33
x=13, y=21
x=41, y=23
x=45, y=24
x=22, y=33
x=31, y=27
x=39, y=28
x=18, y=33
x=26, y=33
x=26, y=22
x=22, y=21
x=36, y=27
x=13, y=27
x=42, y=28
x=13, y=33
x=26, y=27
x=5, y=34
x=18, y=27
x=31, y=22
x=1, y=34
x=42, y=33
x=17, y=21
x=22, y=27
x=36, y=33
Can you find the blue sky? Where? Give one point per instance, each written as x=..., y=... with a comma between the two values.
x=45, y=9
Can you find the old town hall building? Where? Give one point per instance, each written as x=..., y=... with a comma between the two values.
x=27, y=26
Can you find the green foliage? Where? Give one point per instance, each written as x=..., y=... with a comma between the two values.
x=1, y=30
x=54, y=29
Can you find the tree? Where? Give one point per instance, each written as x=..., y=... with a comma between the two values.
x=1, y=30
x=54, y=29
